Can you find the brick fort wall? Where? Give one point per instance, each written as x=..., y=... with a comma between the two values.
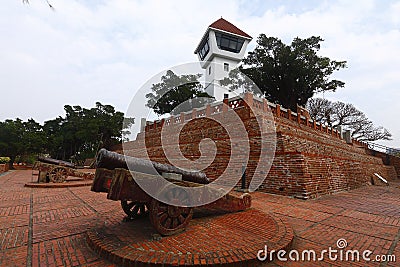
x=387, y=159
x=310, y=159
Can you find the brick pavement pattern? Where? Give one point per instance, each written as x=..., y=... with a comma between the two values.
x=229, y=239
x=48, y=227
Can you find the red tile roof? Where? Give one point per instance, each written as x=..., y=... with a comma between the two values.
x=225, y=25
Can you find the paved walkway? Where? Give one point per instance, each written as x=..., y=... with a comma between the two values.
x=46, y=227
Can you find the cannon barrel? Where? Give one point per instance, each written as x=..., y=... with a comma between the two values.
x=56, y=162
x=111, y=160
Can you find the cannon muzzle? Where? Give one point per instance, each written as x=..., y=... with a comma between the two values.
x=111, y=160
x=56, y=162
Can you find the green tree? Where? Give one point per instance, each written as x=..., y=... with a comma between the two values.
x=83, y=131
x=33, y=141
x=290, y=74
x=54, y=135
x=175, y=94
x=10, y=139
x=76, y=136
x=20, y=140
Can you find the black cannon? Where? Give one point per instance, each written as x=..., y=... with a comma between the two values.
x=113, y=177
x=56, y=162
x=111, y=160
x=57, y=171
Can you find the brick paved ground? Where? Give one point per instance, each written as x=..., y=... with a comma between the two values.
x=368, y=218
x=228, y=239
x=47, y=227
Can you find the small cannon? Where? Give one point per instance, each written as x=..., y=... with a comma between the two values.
x=113, y=177
x=57, y=171
x=56, y=162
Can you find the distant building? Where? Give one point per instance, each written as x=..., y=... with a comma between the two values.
x=220, y=50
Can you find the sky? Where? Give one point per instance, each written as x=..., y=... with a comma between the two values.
x=90, y=50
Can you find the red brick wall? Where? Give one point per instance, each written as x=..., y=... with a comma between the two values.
x=329, y=165
x=387, y=160
x=395, y=161
x=3, y=167
x=310, y=159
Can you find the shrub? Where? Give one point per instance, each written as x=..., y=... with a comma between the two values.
x=4, y=160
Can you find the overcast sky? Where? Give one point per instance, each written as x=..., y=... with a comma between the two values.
x=96, y=50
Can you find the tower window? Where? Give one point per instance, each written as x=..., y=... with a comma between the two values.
x=229, y=42
x=226, y=67
x=204, y=49
x=209, y=70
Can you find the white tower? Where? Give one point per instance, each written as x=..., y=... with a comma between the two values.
x=220, y=50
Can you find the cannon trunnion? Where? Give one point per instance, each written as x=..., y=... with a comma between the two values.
x=113, y=177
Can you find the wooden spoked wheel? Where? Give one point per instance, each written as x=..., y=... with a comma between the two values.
x=58, y=175
x=134, y=209
x=169, y=219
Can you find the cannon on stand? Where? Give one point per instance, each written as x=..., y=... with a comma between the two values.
x=57, y=171
x=113, y=177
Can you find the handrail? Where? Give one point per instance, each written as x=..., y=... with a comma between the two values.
x=384, y=149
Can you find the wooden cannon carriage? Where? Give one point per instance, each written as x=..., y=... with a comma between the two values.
x=113, y=177
x=57, y=171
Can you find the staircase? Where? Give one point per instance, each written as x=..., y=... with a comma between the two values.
x=390, y=156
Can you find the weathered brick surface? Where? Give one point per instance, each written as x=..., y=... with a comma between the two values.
x=4, y=167
x=45, y=227
x=328, y=164
x=310, y=160
x=368, y=218
x=387, y=160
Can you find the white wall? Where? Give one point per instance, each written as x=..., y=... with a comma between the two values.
x=216, y=59
x=218, y=73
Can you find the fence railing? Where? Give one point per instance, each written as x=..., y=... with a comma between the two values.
x=384, y=149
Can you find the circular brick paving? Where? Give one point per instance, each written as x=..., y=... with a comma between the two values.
x=68, y=183
x=231, y=239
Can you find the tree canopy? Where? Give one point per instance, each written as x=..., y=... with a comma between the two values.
x=177, y=93
x=349, y=117
x=20, y=139
x=290, y=74
x=82, y=131
x=76, y=136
